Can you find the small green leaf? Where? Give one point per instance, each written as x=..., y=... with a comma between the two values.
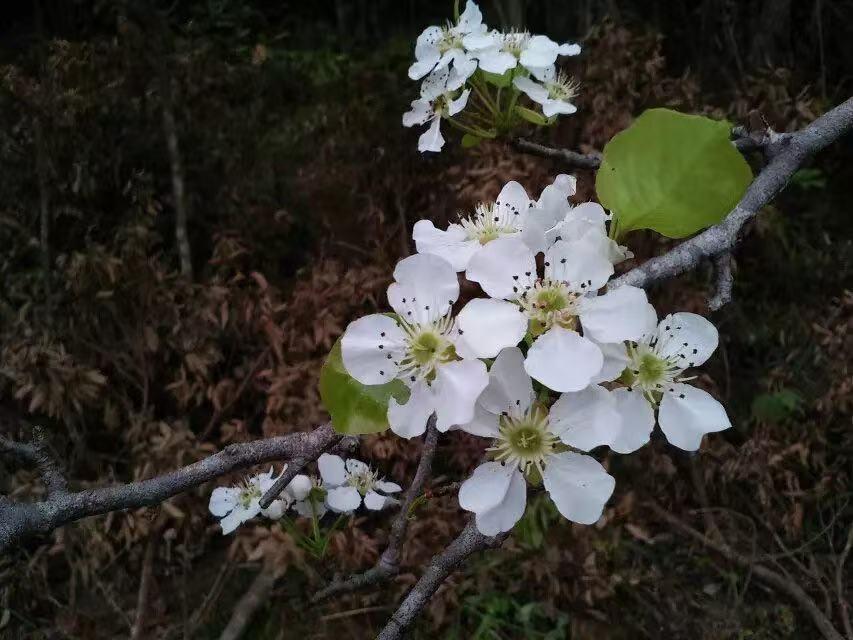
x=500, y=80
x=777, y=407
x=470, y=140
x=356, y=408
x=533, y=116
x=671, y=172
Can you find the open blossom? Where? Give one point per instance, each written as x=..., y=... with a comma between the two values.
x=348, y=483
x=438, y=47
x=541, y=52
x=512, y=214
x=560, y=308
x=588, y=221
x=554, y=91
x=236, y=505
x=528, y=442
x=312, y=504
x=437, y=101
x=498, y=52
x=419, y=347
x=655, y=375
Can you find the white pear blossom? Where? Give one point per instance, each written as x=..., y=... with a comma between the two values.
x=554, y=307
x=438, y=47
x=312, y=504
x=512, y=214
x=236, y=505
x=554, y=91
x=419, y=347
x=528, y=442
x=540, y=52
x=436, y=102
x=349, y=483
x=588, y=221
x=655, y=374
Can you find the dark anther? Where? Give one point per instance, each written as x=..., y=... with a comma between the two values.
x=563, y=261
x=382, y=335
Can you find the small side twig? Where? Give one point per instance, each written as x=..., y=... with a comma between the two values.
x=138, y=629
x=768, y=576
x=725, y=281
x=440, y=567
x=37, y=453
x=389, y=562
x=843, y=605
x=571, y=158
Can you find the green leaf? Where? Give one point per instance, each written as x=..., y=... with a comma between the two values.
x=777, y=406
x=356, y=408
x=532, y=116
x=671, y=172
x=500, y=80
x=470, y=140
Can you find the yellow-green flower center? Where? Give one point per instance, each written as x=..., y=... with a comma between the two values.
x=525, y=440
x=550, y=303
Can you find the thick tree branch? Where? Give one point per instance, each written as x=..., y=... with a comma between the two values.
x=787, y=153
x=469, y=542
x=18, y=520
x=389, y=562
x=768, y=576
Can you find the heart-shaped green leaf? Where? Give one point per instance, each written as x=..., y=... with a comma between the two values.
x=671, y=172
x=354, y=407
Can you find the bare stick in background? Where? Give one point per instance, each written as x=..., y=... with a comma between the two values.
x=389, y=562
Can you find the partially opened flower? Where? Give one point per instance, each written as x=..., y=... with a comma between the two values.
x=437, y=101
x=438, y=47
x=554, y=91
x=419, y=348
x=497, y=52
x=313, y=503
x=540, y=52
x=588, y=221
x=529, y=443
x=560, y=309
x=236, y=505
x=655, y=375
x=351, y=482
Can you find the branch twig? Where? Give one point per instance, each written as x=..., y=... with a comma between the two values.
x=570, y=158
x=467, y=543
x=768, y=576
x=389, y=562
x=843, y=605
x=252, y=600
x=725, y=281
x=18, y=520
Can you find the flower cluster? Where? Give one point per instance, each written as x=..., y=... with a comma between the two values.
x=466, y=66
x=548, y=364
x=341, y=487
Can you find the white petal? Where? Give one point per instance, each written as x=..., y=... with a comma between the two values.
x=356, y=467
x=569, y=49
x=554, y=200
x=585, y=268
x=615, y=360
x=489, y=325
x=420, y=113
x=552, y=108
x=431, y=139
x=455, y=391
x=366, y=345
x=562, y=360
x=452, y=245
x=435, y=83
x=299, y=487
x=501, y=266
x=429, y=36
x=513, y=201
x=332, y=469
x=470, y=19
x=585, y=419
x=223, y=500
x=541, y=52
x=343, y=499
x=307, y=509
x=510, y=388
x=687, y=413
x=578, y=485
x=409, y=420
x=376, y=502
x=430, y=277
x=233, y=520
x=496, y=61
x=388, y=487
x=276, y=509
x=638, y=420
x=689, y=336
x=487, y=487
x=481, y=41
x=459, y=103
x=547, y=73
x=620, y=314
x=504, y=516
x=426, y=54
x=534, y=91
x=484, y=424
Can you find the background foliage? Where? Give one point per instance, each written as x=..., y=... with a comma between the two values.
x=301, y=191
